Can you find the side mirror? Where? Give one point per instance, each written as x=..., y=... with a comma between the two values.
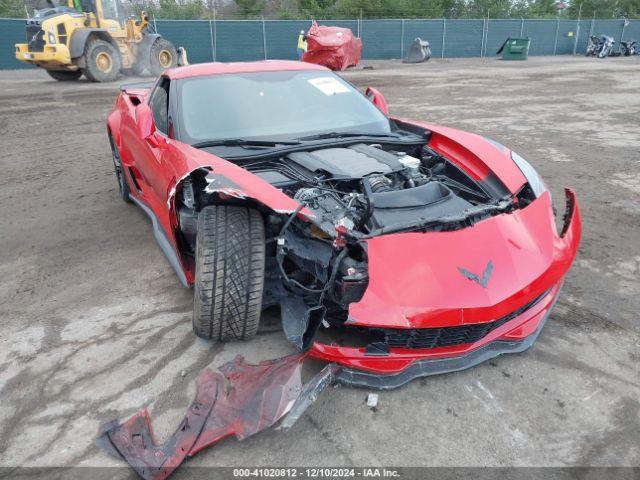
x=144, y=120
x=377, y=99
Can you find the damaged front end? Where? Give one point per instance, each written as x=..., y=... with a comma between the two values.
x=335, y=200
x=365, y=244
x=318, y=263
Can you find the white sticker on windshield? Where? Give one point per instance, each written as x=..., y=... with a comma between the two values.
x=329, y=85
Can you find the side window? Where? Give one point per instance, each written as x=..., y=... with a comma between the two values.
x=159, y=104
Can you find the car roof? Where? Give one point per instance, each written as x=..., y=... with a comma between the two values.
x=220, y=68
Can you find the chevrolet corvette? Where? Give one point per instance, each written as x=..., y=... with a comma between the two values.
x=393, y=247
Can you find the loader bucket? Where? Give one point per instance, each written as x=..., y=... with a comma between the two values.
x=418, y=52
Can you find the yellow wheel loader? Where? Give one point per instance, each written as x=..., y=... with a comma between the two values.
x=94, y=37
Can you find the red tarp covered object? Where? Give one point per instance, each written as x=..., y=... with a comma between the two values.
x=334, y=47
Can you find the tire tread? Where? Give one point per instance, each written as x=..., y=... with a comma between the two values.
x=230, y=258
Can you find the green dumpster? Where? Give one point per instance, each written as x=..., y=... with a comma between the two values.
x=515, y=48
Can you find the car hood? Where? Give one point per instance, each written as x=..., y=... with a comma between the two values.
x=476, y=274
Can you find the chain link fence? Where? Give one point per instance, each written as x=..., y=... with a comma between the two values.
x=244, y=40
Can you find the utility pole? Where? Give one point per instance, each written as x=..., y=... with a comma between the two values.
x=215, y=35
x=555, y=41
x=575, y=40
x=485, y=36
x=402, y=38
x=264, y=39
x=444, y=35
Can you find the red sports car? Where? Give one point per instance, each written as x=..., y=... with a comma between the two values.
x=393, y=247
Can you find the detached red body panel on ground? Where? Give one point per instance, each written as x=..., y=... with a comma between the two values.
x=334, y=47
x=241, y=400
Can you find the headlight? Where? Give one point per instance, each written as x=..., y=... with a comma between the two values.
x=52, y=38
x=535, y=181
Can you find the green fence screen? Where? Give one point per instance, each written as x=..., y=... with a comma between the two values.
x=241, y=40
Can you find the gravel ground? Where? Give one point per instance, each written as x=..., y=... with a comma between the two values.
x=95, y=324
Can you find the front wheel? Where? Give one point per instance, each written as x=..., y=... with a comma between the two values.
x=102, y=61
x=163, y=56
x=65, y=75
x=230, y=259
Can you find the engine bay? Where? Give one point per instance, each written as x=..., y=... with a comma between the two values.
x=368, y=187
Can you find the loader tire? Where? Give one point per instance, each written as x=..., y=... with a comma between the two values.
x=163, y=56
x=102, y=61
x=230, y=259
x=65, y=75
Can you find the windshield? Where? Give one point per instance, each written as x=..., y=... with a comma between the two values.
x=287, y=105
x=41, y=4
x=43, y=8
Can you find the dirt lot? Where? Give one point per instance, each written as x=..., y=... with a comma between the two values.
x=95, y=323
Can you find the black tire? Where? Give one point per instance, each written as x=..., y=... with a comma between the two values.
x=102, y=61
x=123, y=186
x=65, y=75
x=230, y=258
x=162, y=57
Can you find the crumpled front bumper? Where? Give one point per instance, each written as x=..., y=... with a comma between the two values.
x=435, y=366
x=401, y=365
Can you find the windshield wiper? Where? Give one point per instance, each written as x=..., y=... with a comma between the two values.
x=243, y=142
x=322, y=136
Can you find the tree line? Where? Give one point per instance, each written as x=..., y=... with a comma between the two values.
x=366, y=9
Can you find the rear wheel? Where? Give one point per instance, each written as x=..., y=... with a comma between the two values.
x=102, y=61
x=230, y=258
x=65, y=75
x=163, y=56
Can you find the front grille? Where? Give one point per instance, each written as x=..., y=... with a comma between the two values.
x=35, y=38
x=445, y=336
